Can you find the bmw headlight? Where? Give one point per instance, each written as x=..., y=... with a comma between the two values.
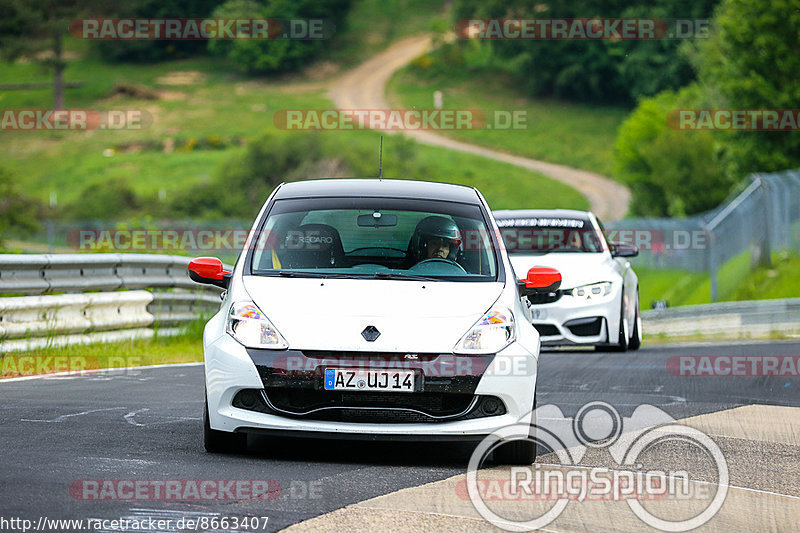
x=248, y=325
x=493, y=332
x=595, y=291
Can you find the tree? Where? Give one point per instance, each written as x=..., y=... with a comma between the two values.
x=36, y=30
x=752, y=61
x=615, y=71
x=670, y=172
x=156, y=50
x=281, y=54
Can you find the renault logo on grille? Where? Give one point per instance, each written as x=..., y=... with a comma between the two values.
x=370, y=333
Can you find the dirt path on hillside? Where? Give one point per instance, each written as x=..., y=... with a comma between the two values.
x=364, y=88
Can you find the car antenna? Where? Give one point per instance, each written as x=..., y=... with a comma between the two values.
x=380, y=161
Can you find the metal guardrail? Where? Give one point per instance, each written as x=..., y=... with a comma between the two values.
x=120, y=311
x=747, y=319
x=31, y=322
x=48, y=273
x=35, y=316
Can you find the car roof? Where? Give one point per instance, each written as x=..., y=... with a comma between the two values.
x=540, y=213
x=371, y=187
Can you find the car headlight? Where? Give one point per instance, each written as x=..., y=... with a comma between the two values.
x=493, y=332
x=593, y=291
x=248, y=325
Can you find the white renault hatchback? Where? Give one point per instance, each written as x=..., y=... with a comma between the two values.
x=365, y=308
x=599, y=302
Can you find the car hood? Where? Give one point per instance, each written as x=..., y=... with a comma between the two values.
x=412, y=316
x=576, y=268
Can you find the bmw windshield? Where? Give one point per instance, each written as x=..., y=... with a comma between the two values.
x=382, y=238
x=549, y=234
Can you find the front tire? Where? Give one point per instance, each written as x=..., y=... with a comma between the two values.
x=636, y=336
x=216, y=441
x=622, y=345
x=519, y=452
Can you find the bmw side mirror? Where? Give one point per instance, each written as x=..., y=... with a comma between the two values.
x=208, y=270
x=621, y=249
x=540, y=280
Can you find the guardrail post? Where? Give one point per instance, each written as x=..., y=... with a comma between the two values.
x=712, y=263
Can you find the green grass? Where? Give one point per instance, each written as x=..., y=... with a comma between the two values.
x=575, y=135
x=780, y=280
x=735, y=282
x=186, y=348
x=674, y=286
x=224, y=104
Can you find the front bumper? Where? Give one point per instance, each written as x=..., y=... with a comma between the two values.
x=509, y=376
x=574, y=321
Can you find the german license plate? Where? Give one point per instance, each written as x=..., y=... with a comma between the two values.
x=388, y=380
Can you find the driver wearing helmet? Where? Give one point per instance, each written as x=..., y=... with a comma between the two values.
x=435, y=237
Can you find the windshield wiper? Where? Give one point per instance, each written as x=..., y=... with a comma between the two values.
x=397, y=275
x=339, y=275
x=307, y=274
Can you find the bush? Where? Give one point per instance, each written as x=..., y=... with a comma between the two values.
x=106, y=200
x=244, y=181
x=276, y=55
x=18, y=212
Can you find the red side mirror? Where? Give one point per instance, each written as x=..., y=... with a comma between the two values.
x=542, y=279
x=209, y=270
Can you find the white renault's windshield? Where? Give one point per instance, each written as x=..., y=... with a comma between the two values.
x=375, y=237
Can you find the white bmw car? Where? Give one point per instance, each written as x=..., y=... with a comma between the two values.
x=598, y=302
x=378, y=309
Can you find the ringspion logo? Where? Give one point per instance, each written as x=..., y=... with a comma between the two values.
x=547, y=489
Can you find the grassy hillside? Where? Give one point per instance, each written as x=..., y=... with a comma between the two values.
x=372, y=25
x=203, y=114
x=576, y=135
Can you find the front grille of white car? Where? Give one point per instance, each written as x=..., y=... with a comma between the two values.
x=342, y=406
x=585, y=327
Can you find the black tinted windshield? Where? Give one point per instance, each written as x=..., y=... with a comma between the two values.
x=375, y=237
x=549, y=234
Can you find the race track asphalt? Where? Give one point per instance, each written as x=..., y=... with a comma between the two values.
x=145, y=425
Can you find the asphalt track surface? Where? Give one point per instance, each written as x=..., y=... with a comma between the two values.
x=145, y=425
